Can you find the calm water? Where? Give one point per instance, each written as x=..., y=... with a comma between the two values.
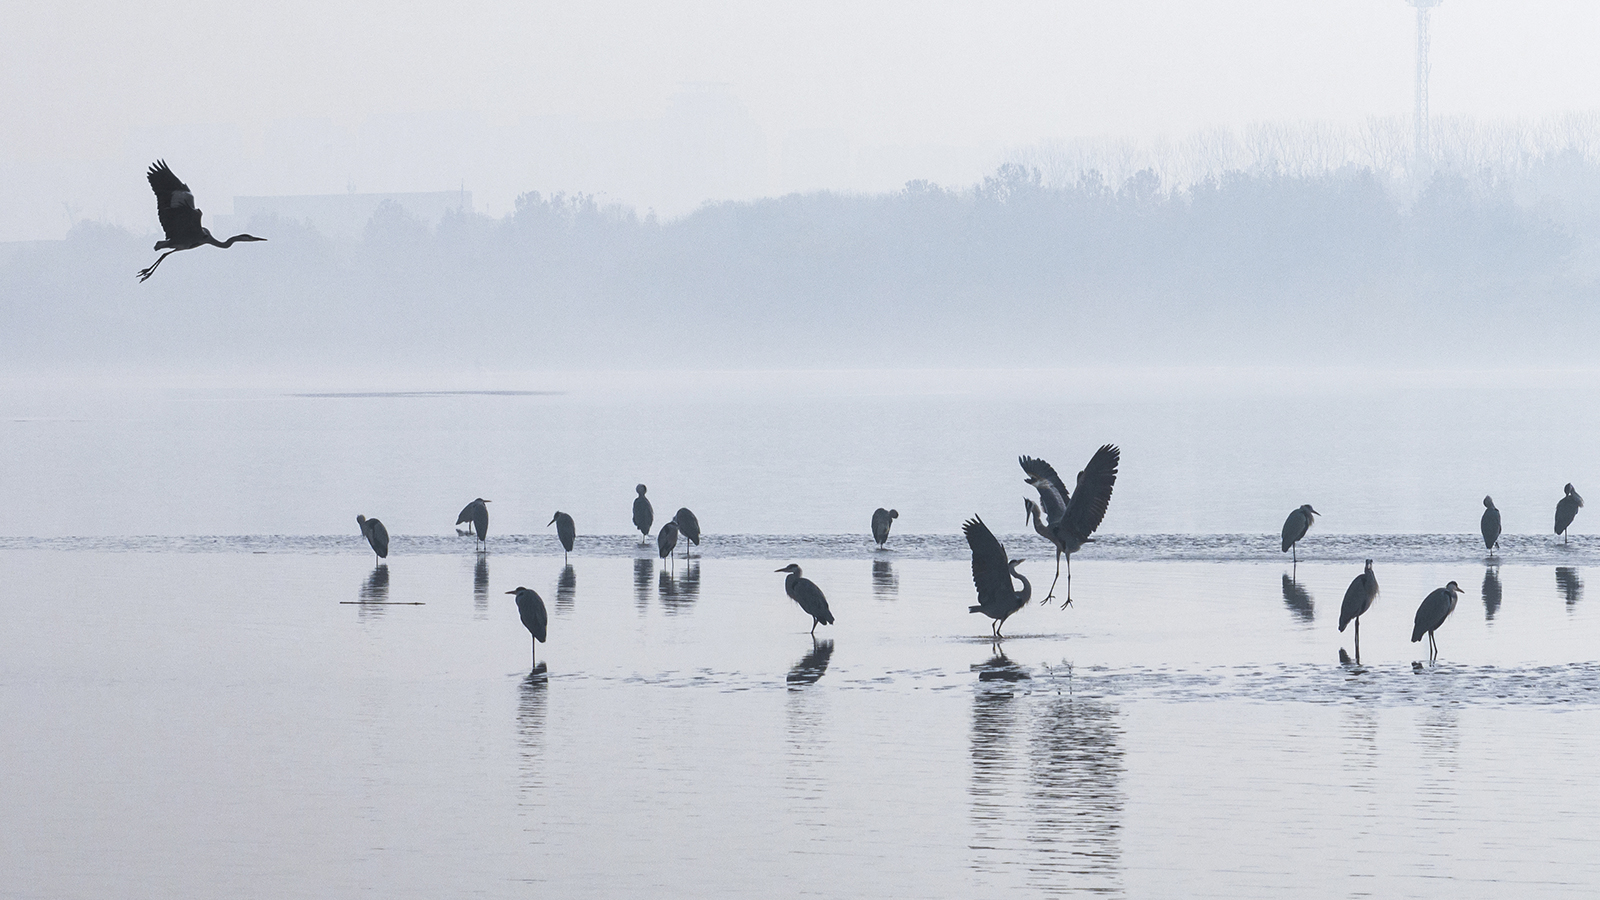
x=207, y=688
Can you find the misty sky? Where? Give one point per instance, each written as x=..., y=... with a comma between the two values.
x=81, y=82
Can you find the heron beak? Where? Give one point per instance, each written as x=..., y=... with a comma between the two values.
x=551, y=522
x=511, y=592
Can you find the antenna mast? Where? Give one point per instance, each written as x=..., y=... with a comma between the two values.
x=1420, y=113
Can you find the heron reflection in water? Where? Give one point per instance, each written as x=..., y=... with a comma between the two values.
x=1570, y=585
x=643, y=568
x=566, y=589
x=1298, y=600
x=996, y=715
x=1075, y=772
x=376, y=588
x=533, y=692
x=885, y=584
x=480, y=586
x=679, y=592
x=812, y=666
x=1491, y=592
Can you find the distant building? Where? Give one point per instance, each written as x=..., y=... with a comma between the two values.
x=345, y=216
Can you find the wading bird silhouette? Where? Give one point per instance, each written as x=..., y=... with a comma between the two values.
x=1358, y=599
x=530, y=606
x=1071, y=519
x=667, y=539
x=477, y=515
x=881, y=520
x=565, y=530
x=991, y=575
x=1295, y=528
x=805, y=592
x=688, y=526
x=180, y=220
x=1566, y=508
x=1435, y=608
x=644, y=515
x=377, y=535
x=1490, y=523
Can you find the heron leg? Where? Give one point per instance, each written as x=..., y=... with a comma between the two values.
x=144, y=274
x=814, y=621
x=1069, y=582
x=1051, y=594
x=1358, y=640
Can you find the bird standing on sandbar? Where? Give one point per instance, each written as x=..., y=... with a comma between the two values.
x=1490, y=523
x=1566, y=508
x=1358, y=599
x=881, y=520
x=1435, y=608
x=644, y=515
x=530, y=606
x=805, y=592
x=1295, y=528
x=667, y=539
x=565, y=530
x=377, y=535
x=180, y=220
x=998, y=598
x=688, y=526
x=1070, y=519
x=477, y=514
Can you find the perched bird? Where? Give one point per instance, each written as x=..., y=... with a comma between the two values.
x=1435, y=608
x=565, y=530
x=667, y=539
x=1358, y=599
x=180, y=220
x=644, y=515
x=881, y=519
x=476, y=514
x=991, y=575
x=805, y=592
x=1295, y=528
x=688, y=526
x=1071, y=519
x=376, y=535
x=1491, y=523
x=1566, y=508
x=530, y=606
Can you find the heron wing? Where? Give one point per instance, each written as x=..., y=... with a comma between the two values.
x=566, y=530
x=1566, y=511
x=810, y=598
x=880, y=524
x=1357, y=599
x=378, y=536
x=468, y=511
x=174, y=203
x=1088, y=505
x=688, y=525
x=1294, y=528
x=643, y=514
x=1491, y=526
x=991, y=571
x=534, y=616
x=1053, y=496
x=1431, y=614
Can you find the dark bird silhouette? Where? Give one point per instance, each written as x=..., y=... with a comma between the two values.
x=180, y=220
x=530, y=606
x=376, y=535
x=667, y=539
x=565, y=530
x=1295, y=528
x=1490, y=523
x=1435, y=608
x=805, y=592
x=881, y=520
x=991, y=575
x=1071, y=519
x=688, y=526
x=476, y=514
x=1566, y=508
x=644, y=515
x=1358, y=599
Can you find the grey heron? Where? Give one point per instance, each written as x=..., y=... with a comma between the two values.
x=1358, y=599
x=688, y=526
x=1071, y=519
x=477, y=515
x=1435, y=608
x=881, y=520
x=530, y=606
x=667, y=539
x=180, y=220
x=377, y=535
x=805, y=592
x=565, y=530
x=1490, y=523
x=998, y=598
x=644, y=515
x=1295, y=528
x=1566, y=508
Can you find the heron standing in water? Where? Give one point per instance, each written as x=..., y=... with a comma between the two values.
x=377, y=536
x=565, y=530
x=1567, y=508
x=805, y=592
x=643, y=513
x=1071, y=519
x=1358, y=599
x=1490, y=523
x=530, y=606
x=998, y=598
x=881, y=520
x=667, y=539
x=689, y=527
x=476, y=514
x=1295, y=528
x=1435, y=608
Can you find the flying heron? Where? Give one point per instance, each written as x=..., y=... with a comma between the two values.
x=180, y=220
x=643, y=513
x=376, y=535
x=805, y=592
x=1566, y=508
x=565, y=530
x=667, y=540
x=688, y=526
x=881, y=520
x=1358, y=599
x=530, y=606
x=1435, y=608
x=1295, y=528
x=1490, y=523
x=991, y=575
x=477, y=515
x=1070, y=519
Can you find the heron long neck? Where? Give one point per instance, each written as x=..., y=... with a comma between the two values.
x=227, y=243
x=790, y=582
x=1027, y=587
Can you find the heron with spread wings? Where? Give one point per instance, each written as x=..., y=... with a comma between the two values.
x=179, y=218
x=1070, y=519
x=998, y=598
